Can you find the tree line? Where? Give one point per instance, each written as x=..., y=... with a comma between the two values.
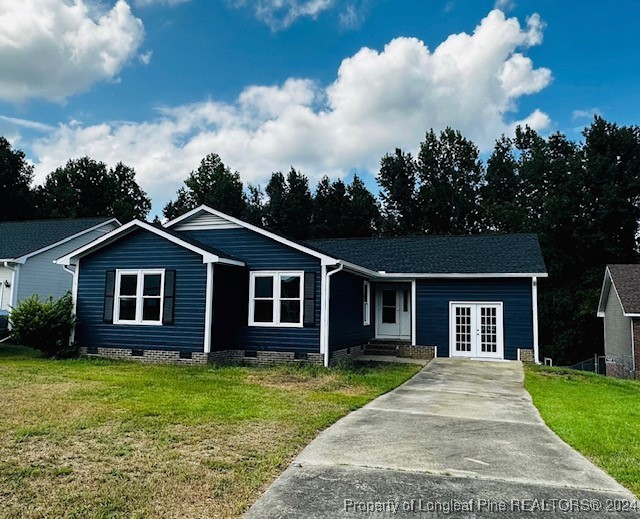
x=581, y=198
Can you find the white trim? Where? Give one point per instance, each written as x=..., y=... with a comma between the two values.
x=15, y=280
x=418, y=275
x=327, y=314
x=602, y=303
x=534, y=306
x=74, y=299
x=208, y=309
x=499, y=323
x=207, y=257
x=414, y=304
x=276, y=276
x=397, y=286
x=323, y=313
x=633, y=347
x=366, y=304
x=139, y=297
x=327, y=260
x=23, y=259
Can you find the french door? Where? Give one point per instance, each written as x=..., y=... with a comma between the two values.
x=476, y=330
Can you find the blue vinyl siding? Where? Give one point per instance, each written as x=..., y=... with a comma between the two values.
x=435, y=295
x=346, y=326
x=143, y=249
x=262, y=253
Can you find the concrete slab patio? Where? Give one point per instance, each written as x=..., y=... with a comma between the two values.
x=460, y=439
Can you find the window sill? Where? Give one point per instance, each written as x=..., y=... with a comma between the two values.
x=272, y=325
x=134, y=323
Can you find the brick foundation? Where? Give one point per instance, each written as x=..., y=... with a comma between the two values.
x=526, y=355
x=346, y=354
x=258, y=358
x=636, y=344
x=414, y=351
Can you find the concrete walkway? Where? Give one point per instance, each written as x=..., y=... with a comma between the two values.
x=460, y=439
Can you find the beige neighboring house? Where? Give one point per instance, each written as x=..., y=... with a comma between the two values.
x=28, y=250
x=620, y=308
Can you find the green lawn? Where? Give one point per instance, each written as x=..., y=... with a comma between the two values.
x=598, y=416
x=97, y=438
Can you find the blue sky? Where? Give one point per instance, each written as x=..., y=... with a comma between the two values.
x=326, y=86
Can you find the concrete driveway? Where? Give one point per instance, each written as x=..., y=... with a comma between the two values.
x=460, y=439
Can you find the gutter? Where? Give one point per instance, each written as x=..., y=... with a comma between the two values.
x=326, y=309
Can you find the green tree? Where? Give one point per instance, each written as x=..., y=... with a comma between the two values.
x=501, y=193
x=361, y=216
x=86, y=188
x=254, y=210
x=212, y=184
x=450, y=174
x=397, y=179
x=329, y=203
x=290, y=204
x=16, y=175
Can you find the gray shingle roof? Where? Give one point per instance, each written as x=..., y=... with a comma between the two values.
x=20, y=238
x=626, y=279
x=481, y=254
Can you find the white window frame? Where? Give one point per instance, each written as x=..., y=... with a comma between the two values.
x=276, y=275
x=140, y=273
x=366, y=303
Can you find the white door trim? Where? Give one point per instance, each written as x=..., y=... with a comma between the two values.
x=409, y=314
x=475, y=329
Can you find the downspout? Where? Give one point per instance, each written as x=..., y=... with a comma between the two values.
x=326, y=309
x=534, y=306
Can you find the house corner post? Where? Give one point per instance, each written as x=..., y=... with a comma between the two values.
x=74, y=299
x=534, y=304
x=208, y=316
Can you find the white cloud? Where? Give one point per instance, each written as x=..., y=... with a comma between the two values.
x=145, y=3
x=504, y=5
x=585, y=114
x=280, y=14
x=145, y=57
x=54, y=48
x=380, y=100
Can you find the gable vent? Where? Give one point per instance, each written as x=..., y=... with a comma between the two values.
x=204, y=221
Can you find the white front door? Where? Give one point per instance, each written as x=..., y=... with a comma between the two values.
x=393, y=312
x=476, y=330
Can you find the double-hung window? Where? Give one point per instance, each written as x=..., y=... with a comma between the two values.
x=275, y=299
x=139, y=296
x=366, y=299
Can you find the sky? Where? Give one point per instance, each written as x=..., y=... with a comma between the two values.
x=325, y=86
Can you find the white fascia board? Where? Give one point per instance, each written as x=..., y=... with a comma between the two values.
x=207, y=257
x=23, y=259
x=461, y=275
x=606, y=286
x=325, y=259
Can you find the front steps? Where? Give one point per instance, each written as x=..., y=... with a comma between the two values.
x=387, y=348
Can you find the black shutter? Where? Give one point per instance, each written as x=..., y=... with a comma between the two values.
x=309, y=318
x=109, y=291
x=169, y=296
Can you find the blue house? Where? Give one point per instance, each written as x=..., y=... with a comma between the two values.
x=209, y=287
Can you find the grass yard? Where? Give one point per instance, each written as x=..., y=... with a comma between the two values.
x=598, y=416
x=97, y=438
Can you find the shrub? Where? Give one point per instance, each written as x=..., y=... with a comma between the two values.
x=44, y=325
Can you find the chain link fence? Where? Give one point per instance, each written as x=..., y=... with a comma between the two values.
x=613, y=366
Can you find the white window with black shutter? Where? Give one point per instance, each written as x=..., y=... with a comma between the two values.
x=281, y=298
x=139, y=296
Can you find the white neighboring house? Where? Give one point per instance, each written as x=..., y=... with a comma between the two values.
x=28, y=250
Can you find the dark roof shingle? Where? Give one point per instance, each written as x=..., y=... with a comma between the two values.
x=20, y=238
x=479, y=254
x=626, y=279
